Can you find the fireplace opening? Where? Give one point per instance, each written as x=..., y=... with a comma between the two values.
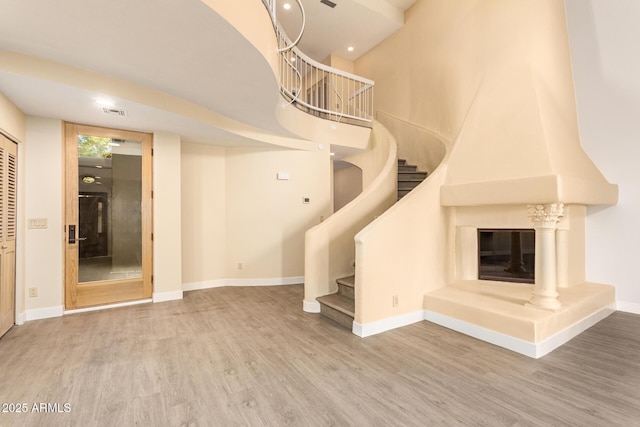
x=506, y=255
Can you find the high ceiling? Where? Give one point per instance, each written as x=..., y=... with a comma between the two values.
x=361, y=24
x=176, y=47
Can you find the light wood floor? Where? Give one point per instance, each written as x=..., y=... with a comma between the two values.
x=251, y=357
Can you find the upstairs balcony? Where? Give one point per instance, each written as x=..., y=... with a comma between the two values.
x=316, y=88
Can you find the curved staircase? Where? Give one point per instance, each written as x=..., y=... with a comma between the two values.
x=340, y=306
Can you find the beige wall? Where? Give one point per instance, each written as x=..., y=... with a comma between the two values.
x=266, y=217
x=203, y=212
x=43, y=192
x=167, y=232
x=347, y=184
x=240, y=223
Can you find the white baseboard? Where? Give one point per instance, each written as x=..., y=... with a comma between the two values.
x=311, y=306
x=628, y=307
x=534, y=350
x=218, y=283
x=372, y=328
x=20, y=318
x=555, y=341
x=167, y=296
x=106, y=307
x=43, y=313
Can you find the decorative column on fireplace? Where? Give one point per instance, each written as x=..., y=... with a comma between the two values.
x=545, y=222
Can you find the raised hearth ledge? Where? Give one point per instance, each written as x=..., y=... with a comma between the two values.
x=502, y=307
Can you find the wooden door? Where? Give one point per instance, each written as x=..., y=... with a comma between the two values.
x=8, y=216
x=108, y=221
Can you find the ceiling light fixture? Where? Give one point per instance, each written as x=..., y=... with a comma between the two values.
x=350, y=48
x=286, y=6
x=104, y=102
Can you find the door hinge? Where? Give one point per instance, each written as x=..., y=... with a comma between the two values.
x=152, y=237
x=152, y=278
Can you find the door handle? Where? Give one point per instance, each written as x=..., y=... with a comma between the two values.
x=72, y=234
x=81, y=238
x=5, y=247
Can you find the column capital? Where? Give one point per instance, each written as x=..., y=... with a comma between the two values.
x=545, y=216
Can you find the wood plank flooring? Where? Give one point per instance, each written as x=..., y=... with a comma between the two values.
x=251, y=357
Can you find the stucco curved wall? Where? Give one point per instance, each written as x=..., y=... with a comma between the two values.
x=329, y=246
x=403, y=254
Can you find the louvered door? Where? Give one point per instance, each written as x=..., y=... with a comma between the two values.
x=8, y=218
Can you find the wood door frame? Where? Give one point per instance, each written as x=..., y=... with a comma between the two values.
x=107, y=291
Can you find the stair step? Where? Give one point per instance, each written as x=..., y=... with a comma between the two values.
x=346, y=286
x=408, y=185
x=339, y=308
x=407, y=175
x=402, y=162
x=347, y=281
x=402, y=193
x=407, y=168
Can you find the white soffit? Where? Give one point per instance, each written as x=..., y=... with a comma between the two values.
x=182, y=48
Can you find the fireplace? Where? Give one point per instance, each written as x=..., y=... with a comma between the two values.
x=506, y=255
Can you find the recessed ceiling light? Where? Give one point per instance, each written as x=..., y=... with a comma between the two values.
x=286, y=6
x=104, y=102
x=350, y=48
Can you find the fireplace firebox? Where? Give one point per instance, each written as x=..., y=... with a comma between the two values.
x=506, y=255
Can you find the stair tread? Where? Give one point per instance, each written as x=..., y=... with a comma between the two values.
x=406, y=179
x=347, y=281
x=339, y=302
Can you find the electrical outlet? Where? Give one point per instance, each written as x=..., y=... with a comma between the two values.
x=395, y=301
x=33, y=292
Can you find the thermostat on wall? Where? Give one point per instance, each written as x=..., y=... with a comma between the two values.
x=283, y=176
x=306, y=200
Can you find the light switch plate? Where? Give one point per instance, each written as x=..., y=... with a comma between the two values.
x=38, y=223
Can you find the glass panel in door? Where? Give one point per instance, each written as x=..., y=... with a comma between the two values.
x=109, y=208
